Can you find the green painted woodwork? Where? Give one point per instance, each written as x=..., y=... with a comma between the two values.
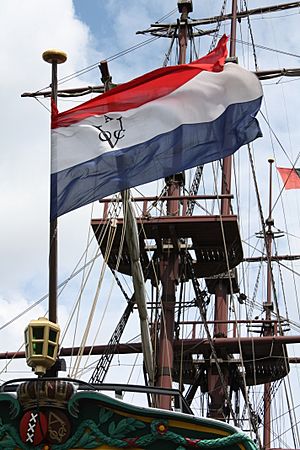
x=97, y=419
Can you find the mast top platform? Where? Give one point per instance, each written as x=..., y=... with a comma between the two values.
x=205, y=234
x=54, y=56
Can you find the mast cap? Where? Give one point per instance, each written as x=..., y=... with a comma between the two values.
x=54, y=56
x=188, y=4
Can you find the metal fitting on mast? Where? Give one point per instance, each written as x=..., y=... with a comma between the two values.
x=182, y=4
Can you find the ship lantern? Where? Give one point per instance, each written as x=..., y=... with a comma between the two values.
x=41, y=344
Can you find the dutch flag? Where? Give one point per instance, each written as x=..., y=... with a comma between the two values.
x=164, y=122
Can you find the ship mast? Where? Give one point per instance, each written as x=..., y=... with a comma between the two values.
x=268, y=307
x=169, y=263
x=216, y=385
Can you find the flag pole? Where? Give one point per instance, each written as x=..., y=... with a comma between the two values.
x=53, y=57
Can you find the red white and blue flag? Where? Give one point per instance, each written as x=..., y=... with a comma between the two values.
x=290, y=177
x=166, y=121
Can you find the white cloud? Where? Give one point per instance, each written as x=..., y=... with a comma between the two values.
x=25, y=128
x=26, y=30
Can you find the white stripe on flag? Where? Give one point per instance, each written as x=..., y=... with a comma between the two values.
x=201, y=100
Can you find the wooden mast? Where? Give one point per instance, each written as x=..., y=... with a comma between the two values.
x=268, y=307
x=215, y=383
x=169, y=262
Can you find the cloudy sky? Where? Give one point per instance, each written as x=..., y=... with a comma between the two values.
x=89, y=31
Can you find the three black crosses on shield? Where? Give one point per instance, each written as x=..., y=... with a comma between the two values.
x=111, y=130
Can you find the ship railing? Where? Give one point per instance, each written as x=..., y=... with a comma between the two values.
x=254, y=326
x=148, y=203
x=179, y=402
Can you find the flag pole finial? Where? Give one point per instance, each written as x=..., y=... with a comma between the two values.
x=54, y=56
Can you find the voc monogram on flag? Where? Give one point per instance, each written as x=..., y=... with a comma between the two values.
x=111, y=130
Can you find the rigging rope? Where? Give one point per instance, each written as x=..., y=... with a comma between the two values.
x=81, y=289
x=167, y=56
x=289, y=399
x=269, y=49
x=202, y=309
x=282, y=284
x=252, y=419
x=270, y=266
x=283, y=187
x=108, y=250
x=62, y=285
x=112, y=231
x=100, y=240
x=219, y=23
x=255, y=290
x=291, y=409
x=264, y=235
x=251, y=36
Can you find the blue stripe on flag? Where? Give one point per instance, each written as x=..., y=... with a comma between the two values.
x=185, y=147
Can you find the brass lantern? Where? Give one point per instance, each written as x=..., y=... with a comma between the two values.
x=41, y=344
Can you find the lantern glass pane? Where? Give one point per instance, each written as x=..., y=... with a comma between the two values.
x=37, y=348
x=38, y=332
x=51, y=349
x=52, y=335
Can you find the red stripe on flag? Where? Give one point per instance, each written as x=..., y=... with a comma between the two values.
x=144, y=89
x=290, y=177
